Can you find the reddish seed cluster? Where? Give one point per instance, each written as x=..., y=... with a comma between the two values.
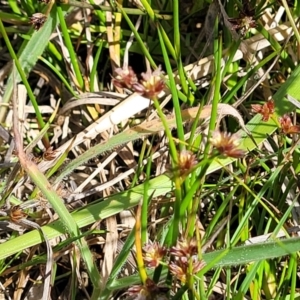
x=287, y=126
x=268, y=109
x=185, y=248
x=126, y=78
x=151, y=84
x=181, y=270
x=243, y=25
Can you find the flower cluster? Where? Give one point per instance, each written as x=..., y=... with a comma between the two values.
x=245, y=21
x=186, y=161
x=182, y=261
x=151, y=84
x=227, y=144
x=287, y=126
x=150, y=290
x=126, y=78
x=185, y=248
x=186, y=262
x=154, y=254
x=267, y=110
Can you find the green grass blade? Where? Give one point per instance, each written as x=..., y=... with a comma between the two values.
x=69, y=45
x=108, y=207
x=26, y=60
x=245, y=254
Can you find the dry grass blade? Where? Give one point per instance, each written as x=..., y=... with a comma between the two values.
x=127, y=108
x=147, y=128
x=110, y=248
x=49, y=264
x=92, y=98
x=25, y=162
x=293, y=101
x=226, y=21
x=204, y=66
x=70, y=226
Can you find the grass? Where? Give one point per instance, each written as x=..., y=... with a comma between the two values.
x=131, y=186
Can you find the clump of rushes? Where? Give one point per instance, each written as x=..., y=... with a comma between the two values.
x=182, y=261
x=287, y=127
x=227, y=144
x=266, y=110
x=37, y=20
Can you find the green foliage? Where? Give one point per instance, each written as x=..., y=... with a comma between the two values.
x=213, y=199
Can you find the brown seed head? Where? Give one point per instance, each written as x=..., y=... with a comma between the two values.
x=227, y=144
x=266, y=110
x=179, y=270
x=37, y=20
x=16, y=214
x=49, y=154
x=186, y=161
x=287, y=126
x=149, y=291
x=125, y=78
x=185, y=248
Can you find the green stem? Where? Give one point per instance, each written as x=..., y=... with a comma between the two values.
x=70, y=48
x=25, y=81
x=216, y=90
